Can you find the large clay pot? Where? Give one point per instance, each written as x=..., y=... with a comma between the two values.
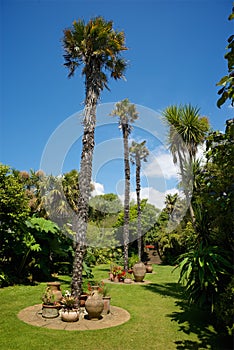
x=94, y=304
x=55, y=288
x=70, y=315
x=139, y=271
x=49, y=311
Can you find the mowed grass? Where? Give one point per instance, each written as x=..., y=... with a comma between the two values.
x=160, y=319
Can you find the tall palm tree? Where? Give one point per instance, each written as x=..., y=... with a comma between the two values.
x=187, y=130
x=138, y=152
x=127, y=115
x=96, y=46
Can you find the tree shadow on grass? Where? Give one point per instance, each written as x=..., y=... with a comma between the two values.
x=192, y=320
x=171, y=289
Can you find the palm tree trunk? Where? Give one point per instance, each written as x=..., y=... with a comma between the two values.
x=126, y=196
x=85, y=177
x=188, y=200
x=138, y=189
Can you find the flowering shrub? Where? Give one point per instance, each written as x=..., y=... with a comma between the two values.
x=118, y=271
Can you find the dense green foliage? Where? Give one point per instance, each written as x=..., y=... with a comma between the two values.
x=15, y=241
x=32, y=247
x=206, y=269
x=227, y=82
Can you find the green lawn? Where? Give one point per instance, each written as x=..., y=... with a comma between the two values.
x=159, y=319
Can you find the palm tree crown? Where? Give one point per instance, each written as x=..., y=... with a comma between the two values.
x=127, y=114
x=187, y=129
x=97, y=46
x=138, y=151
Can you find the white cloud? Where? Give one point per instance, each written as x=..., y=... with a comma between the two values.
x=201, y=153
x=99, y=189
x=154, y=196
x=161, y=164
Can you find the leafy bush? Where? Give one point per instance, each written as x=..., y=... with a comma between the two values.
x=102, y=255
x=224, y=308
x=201, y=272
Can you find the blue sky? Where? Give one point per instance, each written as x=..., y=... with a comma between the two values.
x=176, y=55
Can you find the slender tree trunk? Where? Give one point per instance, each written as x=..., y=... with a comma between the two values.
x=126, y=196
x=188, y=200
x=85, y=177
x=138, y=189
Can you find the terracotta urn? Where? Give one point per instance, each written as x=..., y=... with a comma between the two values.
x=94, y=304
x=106, y=305
x=139, y=271
x=149, y=268
x=55, y=288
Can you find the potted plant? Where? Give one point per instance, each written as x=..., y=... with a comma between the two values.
x=117, y=273
x=69, y=313
x=50, y=306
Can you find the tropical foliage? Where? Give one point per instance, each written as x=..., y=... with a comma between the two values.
x=187, y=130
x=227, y=82
x=207, y=268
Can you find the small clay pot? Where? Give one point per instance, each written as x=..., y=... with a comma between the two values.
x=50, y=311
x=70, y=315
x=149, y=268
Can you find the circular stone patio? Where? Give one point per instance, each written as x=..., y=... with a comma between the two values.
x=107, y=280
x=33, y=316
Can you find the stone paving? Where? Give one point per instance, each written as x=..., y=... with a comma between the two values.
x=33, y=316
x=107, y=280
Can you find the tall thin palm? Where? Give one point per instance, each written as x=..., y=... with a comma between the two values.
x=138, y=153
x=187, y=130
x=127, y=115
x=96, y=46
